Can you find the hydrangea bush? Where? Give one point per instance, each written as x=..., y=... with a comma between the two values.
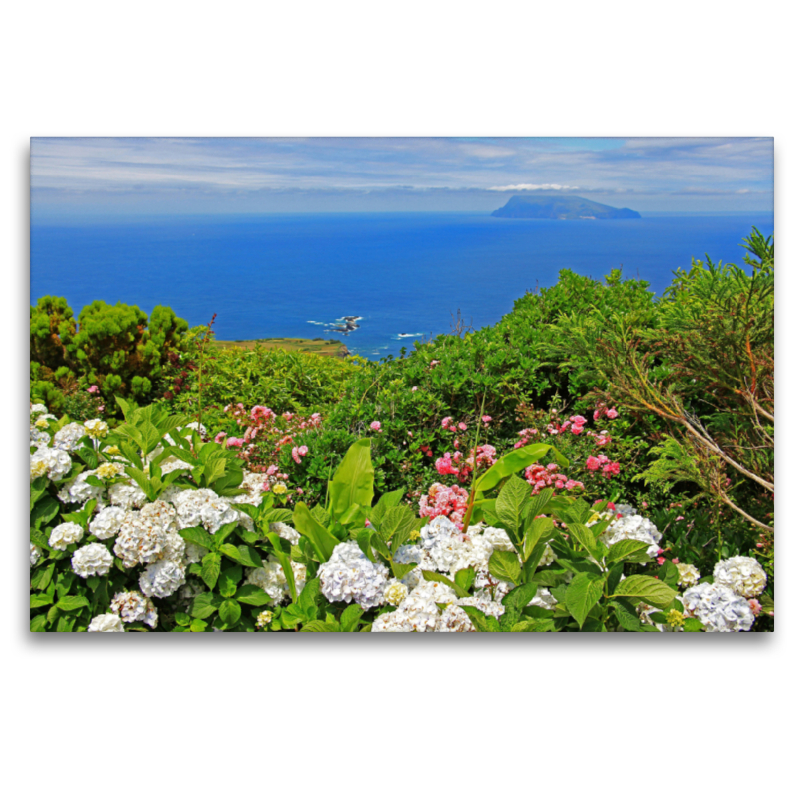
x=154, y=526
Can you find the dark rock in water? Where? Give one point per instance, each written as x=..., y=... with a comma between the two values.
x=560, y=206
x=349, y=325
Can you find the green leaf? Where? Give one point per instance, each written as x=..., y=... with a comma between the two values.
x=515, y=601
x=230, y=612
x=484, y=623
x=65, y=624
x=387, y=501
x=183, y=619
x=646, y=589
x=398, y=522
x=252, y=595
x=669, y=574
x=39, y=623
x=582, y=595
x=692, y=625
x=513, y=462
x=363, y=539
x=318, y=626
x=505, y=566
x=209, y=569
x=353, y=480
x=204, y=605
x=198, y=626
x=533, y=626
x=626, y=616
x=307, y=601
x=465, y=577
x=44, y=511
x=350, y=617
x=400, y=570
x=628, y=550
x=40, y=600
x=510, y=504
x=229, y=579
x=435, y=577
x=614, y=577
x=536, y=505
x=72, y=602
x=243, y=554
x=198, y=536
x=285, y=562
x=321, y=539
x=584, y=536
x=540, y=530
x=42, y=577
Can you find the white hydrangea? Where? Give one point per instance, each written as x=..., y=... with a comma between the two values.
x=186, y=431
x=742, y=574
x=625, y=509
x=251, y=488
x=350, y=577
x=395, y=592
x=419, y=612
x=126, y=495
x=109, y=469
x=65, y=534
x=38, y=437
x=285, y=531
x=69, y=436
x=38, y=408
x=134, y=607
x=55, y=463
x=718, y=608
x=483, y=601
x=36, y=554
x=497, y=537
x=92, y=559
x=162, y=578
x=271, y=578
x=171, y=464
x=688, y=575
x=194, y=553
x=106, y=623
x=144, y=535
x=96, y=428
x=205, y=507
x=78, y=491
x=632, y=527
x=107, y=522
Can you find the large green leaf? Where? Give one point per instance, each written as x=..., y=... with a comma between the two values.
x=204, y=605
x=321, y=539
x=209, y=569
x=484, y=623
x=44, y=511
x=72, y=602
x=511, y=504
x=353, y=481
x=628, y=550
x=198, y=536
x=505, y=566
x=230, y=612
x=398, y=522
x=318, y=626
x=515, y=601
x=646, y=589
x=539, y=530
x=252, y=595
x=584, y=536
x=582, y=595
x=513, y=462
x=387, y=500
x=350, y=617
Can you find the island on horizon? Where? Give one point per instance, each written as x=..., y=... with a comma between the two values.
x=560, y=206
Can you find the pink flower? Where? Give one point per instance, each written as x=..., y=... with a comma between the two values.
x=596, y=415
x=593, y=463
x=676, y=561
x=272, y=469
x=446, y=422
x=612, y=413
x=302, y=450
x=220, y=437
x=578, y=420
x=486, y=418
x=661, y=560
x=375, y=426
x=414, y=388
x=435, y=363
x=234, y=442
x=678, y=519
x=462, y=426
x=576, y=430
x=101, y=408
x=93, y=389
x=295, y=455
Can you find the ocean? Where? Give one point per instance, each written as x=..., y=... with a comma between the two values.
x=405, y=275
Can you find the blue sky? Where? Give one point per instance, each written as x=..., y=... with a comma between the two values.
x=79, y=177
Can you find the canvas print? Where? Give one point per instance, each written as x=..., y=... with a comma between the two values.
x=384, y=385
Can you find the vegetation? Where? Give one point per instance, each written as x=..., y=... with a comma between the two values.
x=597, y=392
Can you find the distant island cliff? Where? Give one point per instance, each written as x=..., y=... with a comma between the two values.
x=560, y=206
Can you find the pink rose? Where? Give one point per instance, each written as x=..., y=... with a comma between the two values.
x=375, y=426
x=612, y=413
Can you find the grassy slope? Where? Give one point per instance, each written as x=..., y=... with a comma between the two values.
x=324, y=347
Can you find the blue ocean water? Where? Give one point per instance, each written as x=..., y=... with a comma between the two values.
x=403, y=274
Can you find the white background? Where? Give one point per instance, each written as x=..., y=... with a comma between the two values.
x=291, y=715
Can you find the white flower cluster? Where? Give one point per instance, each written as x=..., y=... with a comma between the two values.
x=419, y=612
x=107, y=522
x=162, y=578
x=271, y=578
x=92, y=559
x=149, y=535
x=633, y=527
x=134, y=607
x=96, y=428
x=106, y=623
x=204, y=507
x=69, y=436
x=36, y=554
x=65, y=534
x=285, y=532
x=718, y=608
x=688, y=574
x=350, y=577
x=742, y=574
x=51, y=462
x=79, y=491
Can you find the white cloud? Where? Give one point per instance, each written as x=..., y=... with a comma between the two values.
x=532, y=187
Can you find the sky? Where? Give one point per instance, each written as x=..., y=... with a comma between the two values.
x=75, y=178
